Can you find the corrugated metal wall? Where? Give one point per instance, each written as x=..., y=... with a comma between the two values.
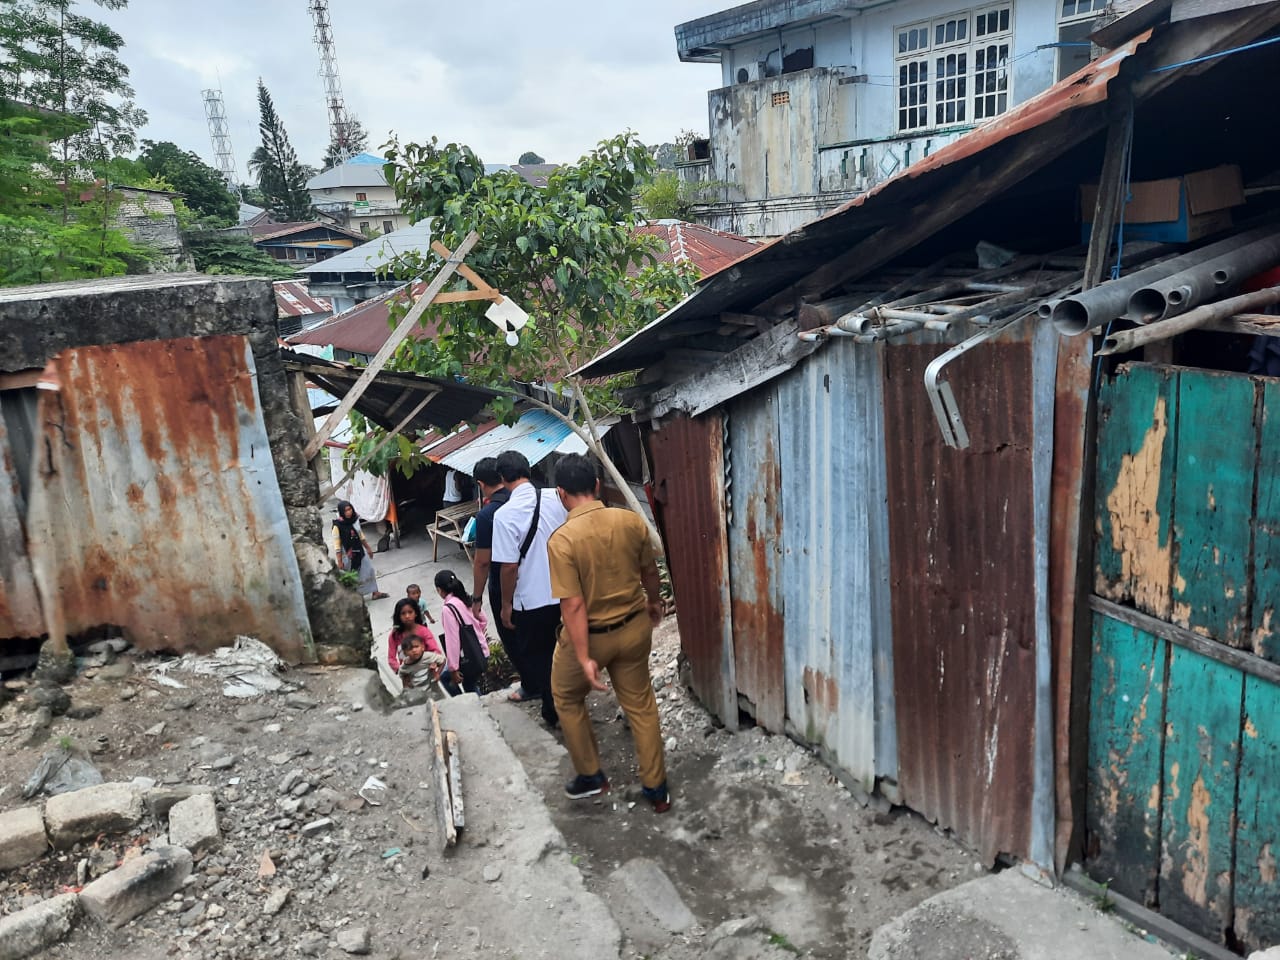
x=157, y=506
x=835, y=566
x=20, y=614
x=689, y=502
x=755, y=551
x=962, y=536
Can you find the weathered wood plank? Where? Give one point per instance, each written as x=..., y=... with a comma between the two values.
x=1258, y=817
x=1126, y=709
x=1137, y=419
x=1213, y=503
x=1241, y=660
x=455, y=779
x=440, y=777
x=1265, y=563
x=1201, y=756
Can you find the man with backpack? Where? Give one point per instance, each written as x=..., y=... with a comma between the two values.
x=521, y=528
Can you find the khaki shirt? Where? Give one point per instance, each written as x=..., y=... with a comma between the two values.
x=598, y=554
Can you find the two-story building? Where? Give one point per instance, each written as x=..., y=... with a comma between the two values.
x=356, y=195
x=822, y=99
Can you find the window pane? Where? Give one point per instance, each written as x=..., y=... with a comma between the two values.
x=963, y=28
x=1004, y=20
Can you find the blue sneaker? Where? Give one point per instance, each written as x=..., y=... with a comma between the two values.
x=658, y=796
x=580, y=787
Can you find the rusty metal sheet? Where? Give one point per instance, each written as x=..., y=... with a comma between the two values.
x=963, y=576
x=834, y=565
x=20, y=613
x=755, y=547
x=156, y=506
x=689, y=505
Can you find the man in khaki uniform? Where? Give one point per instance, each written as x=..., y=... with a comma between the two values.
x=604, y=574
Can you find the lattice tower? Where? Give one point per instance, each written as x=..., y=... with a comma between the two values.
x=215, y=112
x=339, y=119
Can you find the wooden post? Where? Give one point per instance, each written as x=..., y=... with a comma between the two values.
x=397, y=337
x=302, y=407
x=326, y=494
x=1106, y=207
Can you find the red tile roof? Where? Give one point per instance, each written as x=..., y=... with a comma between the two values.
x=364, y=328
x=707, y=249
x=293, y=300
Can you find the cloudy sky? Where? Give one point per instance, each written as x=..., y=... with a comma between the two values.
x=554, y=77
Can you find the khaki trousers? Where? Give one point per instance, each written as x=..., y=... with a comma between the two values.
x=624, y=654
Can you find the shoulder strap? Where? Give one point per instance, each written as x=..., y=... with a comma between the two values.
x=533, y=527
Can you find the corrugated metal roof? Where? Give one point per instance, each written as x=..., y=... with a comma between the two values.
x=706, y=248
x=537, y=435
x=365, y=327
x=293, y=300
x=443, y=446
x=391, y=396
x=362, y=170
x=273, y=231
x=369, y=257
x=774, y=266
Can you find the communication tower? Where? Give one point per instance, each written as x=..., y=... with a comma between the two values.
x=339, y=119
x=215, y=112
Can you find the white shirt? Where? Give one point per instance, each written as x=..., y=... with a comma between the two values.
x=511, y=526
x=451, y=493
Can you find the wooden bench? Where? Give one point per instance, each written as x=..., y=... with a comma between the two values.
x=451, y=523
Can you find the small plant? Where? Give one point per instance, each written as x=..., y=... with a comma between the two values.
x=1102, y=899
x=780, y=941
x=349, y=578
x=66, y=744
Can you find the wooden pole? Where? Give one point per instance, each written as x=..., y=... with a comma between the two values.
x=328, y=492
x=397, y=337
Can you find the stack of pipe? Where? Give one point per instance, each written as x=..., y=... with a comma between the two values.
x=1109, y=301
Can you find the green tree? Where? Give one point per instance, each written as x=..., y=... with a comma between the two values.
x=202, y=187
x=281, y=178
x=530, y=157
x=357, y=140
x=569, y=253
x=222, y=253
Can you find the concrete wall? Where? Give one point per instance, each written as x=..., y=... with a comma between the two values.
x=149, y=218
x=837, y=136
x=38, y=322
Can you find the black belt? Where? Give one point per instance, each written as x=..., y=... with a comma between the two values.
x=610, y=627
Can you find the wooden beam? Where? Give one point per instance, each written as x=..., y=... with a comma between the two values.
x=1106, y=207
x=1206, y=646
x=455, y=780
x=462, y=296
x=486, y=292
x=329, y=491
x=405, y=327
x=747, y=320
x=398, y=402
x=440, y=776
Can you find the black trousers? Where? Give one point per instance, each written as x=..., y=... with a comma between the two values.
x=511, y=643
x=536, y=635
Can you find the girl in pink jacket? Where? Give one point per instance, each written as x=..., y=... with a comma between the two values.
x=462, y=672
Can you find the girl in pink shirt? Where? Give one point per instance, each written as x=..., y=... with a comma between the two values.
x=405, y=621
x=460, y=674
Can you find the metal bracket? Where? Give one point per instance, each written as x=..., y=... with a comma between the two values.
x=940, y=396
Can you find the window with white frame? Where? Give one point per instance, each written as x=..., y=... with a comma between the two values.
x=1078, y=9
x=954, y=69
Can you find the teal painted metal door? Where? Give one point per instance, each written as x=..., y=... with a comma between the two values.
x=1183, y=814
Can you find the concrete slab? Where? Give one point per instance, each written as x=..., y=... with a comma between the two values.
x=1006, y=916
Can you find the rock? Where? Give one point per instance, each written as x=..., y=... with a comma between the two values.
x=300, y=788
x=312, y=944
x=492, y=872
x=316, y=826
x=290, y=780
x=354, y=940
x=193, y=823
x=181, y=702
x=223, y=763
x=116, y=671
x=155, y=731
x=741, y=927
x=651, y=889
x=127, y=693
x=266, y=866
x=38, y=927
x=137, y=885
x=300, y=701
x=280, y=759
x=105, y=808
x=276, y=901
x=83, y=711
x=215, y=911
x=192, y=916
x=1271, y=953
x=22, y=837
x=100, y=862
x=109, y=647
x=160, y=800
x=253, y=712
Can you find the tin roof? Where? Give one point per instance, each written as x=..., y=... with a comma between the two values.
x=364, y=328
x=706, y=248
x=272, y=231
x=774, y=266
x=293, y=300
x=362, y=170
x=370, y=257
x=537, y=434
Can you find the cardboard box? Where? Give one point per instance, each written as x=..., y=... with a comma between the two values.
x=1176, y=209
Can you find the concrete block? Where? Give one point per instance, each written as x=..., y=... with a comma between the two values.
x=37, y=928
x=160, y=800
x=136, y=886
x=83, y=814
x=22, y=837
x=652, y=889
x=193, y=823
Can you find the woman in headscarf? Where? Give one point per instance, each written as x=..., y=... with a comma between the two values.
x=353, y=550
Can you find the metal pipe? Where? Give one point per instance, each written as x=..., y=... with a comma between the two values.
x=1127, y=340
x=1204, y=282
x=1045, y=310
x=1092, y=308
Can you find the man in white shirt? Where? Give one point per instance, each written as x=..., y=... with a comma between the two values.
x=521, y=528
